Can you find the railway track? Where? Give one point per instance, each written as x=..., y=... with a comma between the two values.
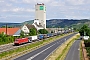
x=11, y=47
x=6, y=47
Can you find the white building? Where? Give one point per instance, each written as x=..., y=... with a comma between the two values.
x=40, y=14
x=26, y=28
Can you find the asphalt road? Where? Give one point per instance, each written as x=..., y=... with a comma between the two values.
x=73, y=53
x=44, y=51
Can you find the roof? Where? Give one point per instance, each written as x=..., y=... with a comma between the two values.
x=17, y=33
x=38, y=25
x=10, y=31
x=40, y=4
x=29, y=26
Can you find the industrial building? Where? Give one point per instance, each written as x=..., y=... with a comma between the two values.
x=40, y=15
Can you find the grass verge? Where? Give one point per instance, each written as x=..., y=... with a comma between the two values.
x=29, y=47
x=66, y=49
x=81, y=52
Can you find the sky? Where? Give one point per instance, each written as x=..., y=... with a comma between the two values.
x=24, y=10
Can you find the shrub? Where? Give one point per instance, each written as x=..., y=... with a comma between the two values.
x=4, y=39
x=32, y=32
x=87, y=42
x=43, y=31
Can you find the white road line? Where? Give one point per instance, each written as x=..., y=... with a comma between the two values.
x=40, y=52
x=78, y=49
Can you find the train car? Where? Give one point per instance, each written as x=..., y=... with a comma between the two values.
x=49, y=35
x=45, y=36
x=41, y=36
x=54, y=34
x=20, y=41
x=32, y=38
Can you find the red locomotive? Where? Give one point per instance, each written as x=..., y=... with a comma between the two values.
x=20, y=41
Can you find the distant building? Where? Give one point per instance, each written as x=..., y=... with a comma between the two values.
x=55, y=30
x=11, y=31
x=40, y=15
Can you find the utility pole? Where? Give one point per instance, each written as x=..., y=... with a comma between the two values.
x=6, y=29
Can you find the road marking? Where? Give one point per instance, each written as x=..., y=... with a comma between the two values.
x=78, y=49
x=40, y=52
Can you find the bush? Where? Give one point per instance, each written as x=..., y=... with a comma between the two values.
x=4, y=39
x=85, y=30
x=43, y=31
x=32, y=32
x=22, y=34
x=87, y=43
x=88, y=50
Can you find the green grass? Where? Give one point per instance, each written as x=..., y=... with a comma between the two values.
x=21, y=49
x=58, y=58
x=61, y=54
x=81, y=52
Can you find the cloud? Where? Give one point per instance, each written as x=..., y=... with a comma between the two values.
x=77, y=17
x=22, y=10
x=16, y=1
x=75, y=2
x=18, y=10
x=1, y=1
x=36, y=1
x=3, y=17
x=57, y=3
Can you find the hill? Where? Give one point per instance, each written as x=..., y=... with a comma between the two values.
x=28, y=22
x=67, y=23
x=54, y=23
x=10, y=24
x=2, y=24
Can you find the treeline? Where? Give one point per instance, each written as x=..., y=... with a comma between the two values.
x=85, y=31
x=4, y=39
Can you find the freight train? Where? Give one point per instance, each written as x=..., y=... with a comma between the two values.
x=35, y=38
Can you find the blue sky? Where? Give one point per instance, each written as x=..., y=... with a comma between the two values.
x=24, y=10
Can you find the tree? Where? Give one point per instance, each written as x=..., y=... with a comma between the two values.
x=32, y=32
x=85, y=30
x=43, y=31
x=4, y=39
x=3, y=27
x=22, y=34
